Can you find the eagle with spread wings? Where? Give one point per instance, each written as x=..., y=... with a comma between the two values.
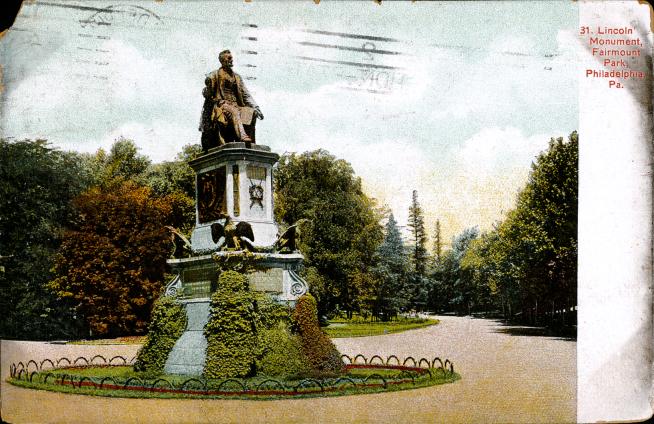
x=288, y=241
x=234, y=237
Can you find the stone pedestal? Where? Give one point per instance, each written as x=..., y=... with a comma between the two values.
x=197, y=277
x=233, y=180
x=237, y=181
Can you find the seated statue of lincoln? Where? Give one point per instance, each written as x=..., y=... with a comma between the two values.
x=229, y=112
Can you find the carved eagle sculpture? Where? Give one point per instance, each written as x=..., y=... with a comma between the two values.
x=181, y=243
x=287, y=242
x=235, y=237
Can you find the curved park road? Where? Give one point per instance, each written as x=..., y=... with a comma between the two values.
x=507, y=376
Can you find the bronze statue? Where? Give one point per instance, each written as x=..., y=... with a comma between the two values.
x=234, y=237
x=229, y=112
x=288, y=241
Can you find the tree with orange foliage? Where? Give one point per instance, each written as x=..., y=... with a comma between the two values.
x=112, y=263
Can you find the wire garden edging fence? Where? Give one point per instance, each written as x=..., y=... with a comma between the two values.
x=411, y=371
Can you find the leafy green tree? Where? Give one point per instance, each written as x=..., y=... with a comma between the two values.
x=340, y=239
x=527, y=264
x=173, y=176
x=111, y=263
x=124, y=161
x=37, y=184
x=455, y=281
x=175, y=180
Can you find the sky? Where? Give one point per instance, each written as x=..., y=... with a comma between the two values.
x=454, y=100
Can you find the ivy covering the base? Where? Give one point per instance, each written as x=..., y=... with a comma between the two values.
x=167, y=324
x=232, y=329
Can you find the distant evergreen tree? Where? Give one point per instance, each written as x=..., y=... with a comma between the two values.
x=419, y=236
x=418, y=281
x=391, y=273
x=435, y=299
x=438, y=245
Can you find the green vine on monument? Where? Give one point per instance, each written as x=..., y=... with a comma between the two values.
x=232, y=329
x=166, y=326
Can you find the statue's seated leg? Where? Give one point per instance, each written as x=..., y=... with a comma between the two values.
x=210, y=139
x=227, y=133
x=250, y=129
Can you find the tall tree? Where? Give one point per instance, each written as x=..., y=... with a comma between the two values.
x=460, y=278
x=173, y=176
x=175, y=180
x=343, y=231
x=528, y=262
x=418, y=283
x=37, y=184
x=111, y=263
x=419, y=255
x=438, y=244
x=124, y=161
x=391, y=273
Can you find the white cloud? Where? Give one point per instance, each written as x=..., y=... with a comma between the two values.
x=495, y=151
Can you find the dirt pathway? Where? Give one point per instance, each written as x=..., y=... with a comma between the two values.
x=508, y=376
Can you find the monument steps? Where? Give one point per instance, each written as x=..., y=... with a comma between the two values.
x=189, y=353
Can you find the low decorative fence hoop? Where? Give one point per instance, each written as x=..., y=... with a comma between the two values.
x=52, y=365
x=202, y=383
x=378, y=357
x=302, y=384
x=279, y=384
x=388, y=360
x=154, y=383
x=365, y=361
x=233, y=380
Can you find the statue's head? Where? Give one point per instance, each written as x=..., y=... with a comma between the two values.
x=225, y=58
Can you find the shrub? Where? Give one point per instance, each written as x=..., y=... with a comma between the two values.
x=323, y=356
x=282, y=353
x=232, y=329
x=272, y=313
x=167, y=324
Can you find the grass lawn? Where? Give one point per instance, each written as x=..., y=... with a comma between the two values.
x=360, y=328
x=338, y=328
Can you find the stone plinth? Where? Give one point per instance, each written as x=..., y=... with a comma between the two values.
x=197, y=277
x=234, y=180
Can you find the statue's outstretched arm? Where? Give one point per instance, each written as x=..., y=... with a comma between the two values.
x=247, y=97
